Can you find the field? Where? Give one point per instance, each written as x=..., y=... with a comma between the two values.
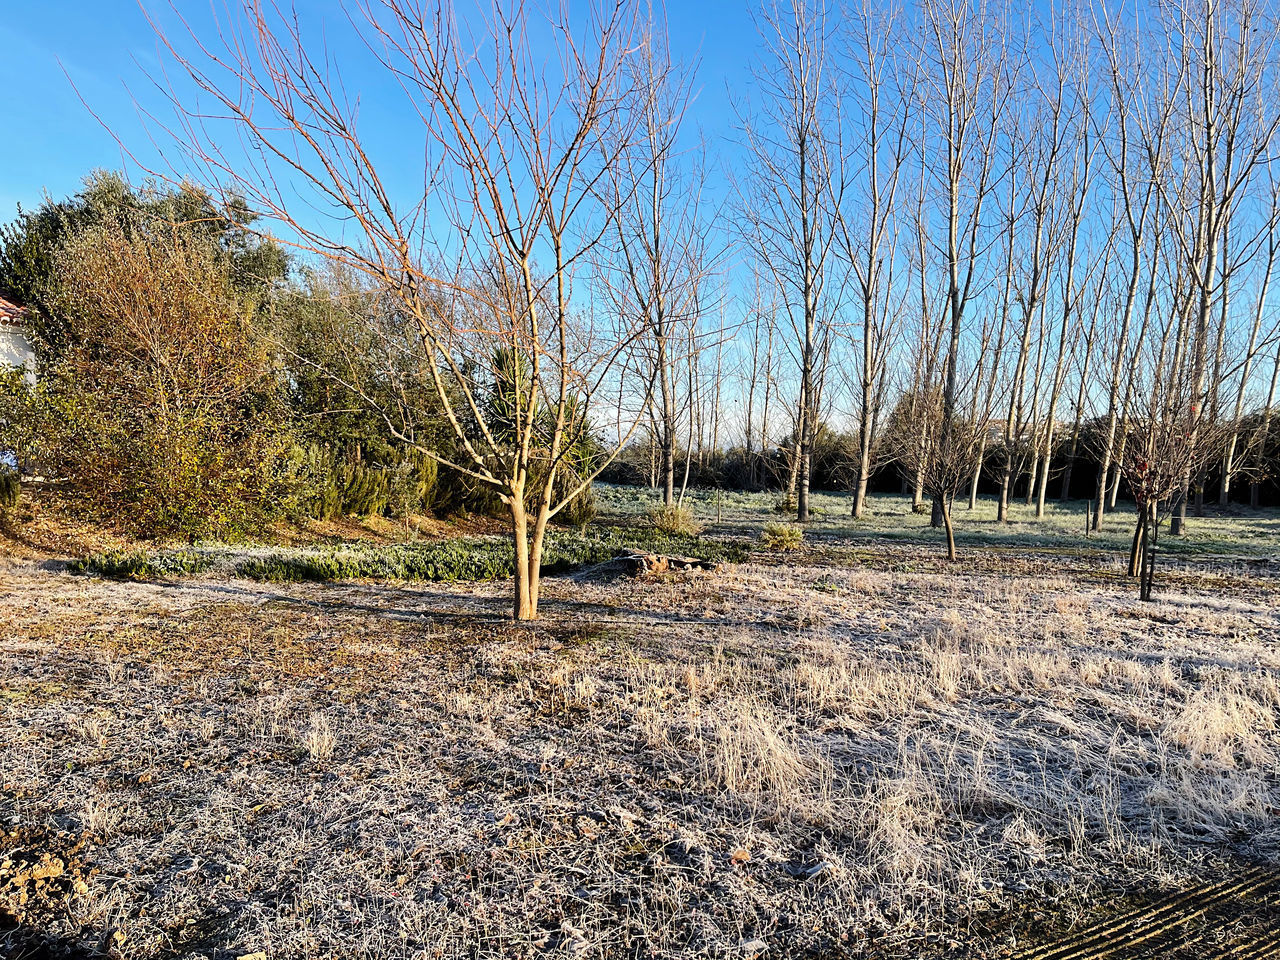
x=852, y=749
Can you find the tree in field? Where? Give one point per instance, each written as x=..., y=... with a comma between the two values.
x=1172, y=438
x=794, y=183
x=661, y=243
x=520, y=119
x=1224, y=93
x=1132, y=171
x=883, y=90
x=1260, y=333
x=941, y=454
x=967, y=85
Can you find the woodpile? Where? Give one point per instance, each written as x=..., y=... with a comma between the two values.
x=647, y=564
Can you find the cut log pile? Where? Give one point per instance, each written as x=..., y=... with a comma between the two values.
x=644, y=564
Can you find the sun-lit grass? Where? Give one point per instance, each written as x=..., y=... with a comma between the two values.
x=872, y=746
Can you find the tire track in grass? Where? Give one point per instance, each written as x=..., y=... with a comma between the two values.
x=1158, y=929
x=1264, y=947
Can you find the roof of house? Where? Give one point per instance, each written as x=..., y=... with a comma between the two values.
x=10, y=313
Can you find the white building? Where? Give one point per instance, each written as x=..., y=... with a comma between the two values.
x=15, y=345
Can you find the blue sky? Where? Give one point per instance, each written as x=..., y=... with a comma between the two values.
x=105, y=49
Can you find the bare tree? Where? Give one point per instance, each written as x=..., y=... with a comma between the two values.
x=661, y=243
x=1227, y=122
x=516, y=148
x=968, y=79
x=1133, y=171
x=1269, y=249
x=794, y=186
x=1172, y=438
x=884, y=87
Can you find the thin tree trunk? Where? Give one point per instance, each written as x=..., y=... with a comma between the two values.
x=951, y=533
x=1151, y=548
x=977, y=472
x=1136, y=549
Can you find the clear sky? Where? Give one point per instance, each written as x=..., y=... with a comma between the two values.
x=106, y=50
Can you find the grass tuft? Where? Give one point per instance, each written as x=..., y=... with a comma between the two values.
x=782, y=537
x=675, y=521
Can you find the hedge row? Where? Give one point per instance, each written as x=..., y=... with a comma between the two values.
x=461, y=559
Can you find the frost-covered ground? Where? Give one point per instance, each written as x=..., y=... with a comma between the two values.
x=853, y=753
x=1235, y=531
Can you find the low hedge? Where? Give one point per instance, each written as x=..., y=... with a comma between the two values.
x=460, y=559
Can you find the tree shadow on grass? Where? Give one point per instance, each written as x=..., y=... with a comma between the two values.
x=23, y=941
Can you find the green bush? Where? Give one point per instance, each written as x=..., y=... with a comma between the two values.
x=781, y=537
x=157, y=408
x=366, y=487
x=411, y=485
x=142, y=565
x=10, y=489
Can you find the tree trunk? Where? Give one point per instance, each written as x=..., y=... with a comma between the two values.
x=1104, y=474
x=806, y=466
x=1006, y=480
x=945, y=507
x=668, y=421
x=1149, y=559
x=1178, y=520
x=1044, y=478
x=793, y=469
x=526, y=579
x=860, y=492
x=977, y=474
x=1139, y=542
x=1033, y=477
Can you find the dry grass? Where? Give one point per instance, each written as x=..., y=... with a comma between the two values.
x=822, y=759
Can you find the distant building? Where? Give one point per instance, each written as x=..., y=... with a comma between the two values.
x=15, y=345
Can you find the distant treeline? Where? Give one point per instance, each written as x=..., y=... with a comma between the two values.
x=835, y=467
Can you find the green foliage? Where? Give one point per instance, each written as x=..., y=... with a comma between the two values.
x=674, y=520
x=156, y=402
x=580, y=510
x=782, y=537
x=10, y=489
x=144, y=565
x=31, y=244
x=511, y=395
x=350, y=353
x=397, y=488
x=364, y=489
x=159, y=411
x=462, y=559
x=19, y=425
